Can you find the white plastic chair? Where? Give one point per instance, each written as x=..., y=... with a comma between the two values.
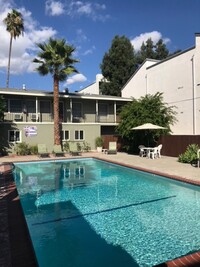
x=142, y=152
x=158, y=151
x=154, y=153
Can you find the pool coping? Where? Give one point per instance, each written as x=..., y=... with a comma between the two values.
x=18, y=258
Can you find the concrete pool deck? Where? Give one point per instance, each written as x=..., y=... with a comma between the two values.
x=12, y=219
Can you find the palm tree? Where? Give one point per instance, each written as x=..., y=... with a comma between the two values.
x=15, y=26
x=55, y=58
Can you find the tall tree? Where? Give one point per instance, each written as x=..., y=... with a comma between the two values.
x=161, y=51
x=158, y=51
x=2, y=108
x=15, y=26
x=148, y=109
x=146, y=51
x=55, y=58
x=117, y=66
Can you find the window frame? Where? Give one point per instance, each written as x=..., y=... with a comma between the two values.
x=50, y=106
x=102, y=114
x=11, y=106
x=79, y=135
x=74, y=114
x=64, y=135
x=15, y=141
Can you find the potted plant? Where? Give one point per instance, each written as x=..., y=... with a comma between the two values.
x=99, y=143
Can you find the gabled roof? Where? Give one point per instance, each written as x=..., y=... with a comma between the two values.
x=157, y=62
x=143, y=63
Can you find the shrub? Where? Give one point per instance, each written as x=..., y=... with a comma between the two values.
x=22, y=149
x=66, y=146
x=78, y=146
x=86, y=146
x=99, y=141
x=190, y=154
x=33, y=150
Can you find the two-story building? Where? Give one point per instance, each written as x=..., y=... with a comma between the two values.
x=29, y=117
x=178, y=78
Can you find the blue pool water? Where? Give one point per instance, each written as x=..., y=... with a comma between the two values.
x=91, y=213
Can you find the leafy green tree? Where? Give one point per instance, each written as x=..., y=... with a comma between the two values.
x=2, y=108
x=55, y=57
x=150, y=53
x=117, y=66
x=15, y=26
x=161, y=51
x=158, y=51
x=146, y=51
x=148, y=109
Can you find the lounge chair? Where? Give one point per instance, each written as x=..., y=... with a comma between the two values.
x=73, y=149
x=57, y=150
x=142, y=152
x=112, y=149
x=198, y=158
x=42, y=150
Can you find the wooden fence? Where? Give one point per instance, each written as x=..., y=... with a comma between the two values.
x=173, y=145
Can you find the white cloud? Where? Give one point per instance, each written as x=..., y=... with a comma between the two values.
x=89, y=51
x=143, y=37
x=81, y=37
x=24, y=47
x=75, y=78
x=88, y=9
x=54, y=8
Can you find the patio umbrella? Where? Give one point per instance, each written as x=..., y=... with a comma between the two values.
x=148, y=126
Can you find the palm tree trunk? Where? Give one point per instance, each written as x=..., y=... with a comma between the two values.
x=56, y=112
x=9, y=57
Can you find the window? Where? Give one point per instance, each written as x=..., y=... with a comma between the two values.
x=15, y=105
x=77, y=110
x=45, y=107
x=14, y=136
x=103, y=109
x=31, y=106
x=65, y=135
x=79, y=135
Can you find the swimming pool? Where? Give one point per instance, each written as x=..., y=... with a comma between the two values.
x=90, y=213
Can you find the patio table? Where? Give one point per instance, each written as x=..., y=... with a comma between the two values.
x=148, y=150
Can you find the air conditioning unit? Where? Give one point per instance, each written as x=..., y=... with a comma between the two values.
x=18, y=116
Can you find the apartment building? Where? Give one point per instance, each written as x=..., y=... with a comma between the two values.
x=29, y=117
x=178, y=78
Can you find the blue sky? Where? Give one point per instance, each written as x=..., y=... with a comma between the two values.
x=90, y=27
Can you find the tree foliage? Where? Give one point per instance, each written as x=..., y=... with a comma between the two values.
x=120, y=62
x=2, y=108
x=117, y=66
x=15, y=26
x=55, y=57
x=148, y=109
x=158, y=51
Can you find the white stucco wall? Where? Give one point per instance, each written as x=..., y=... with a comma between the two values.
x=94, y=87
x=178, y=78
x=137, y=85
